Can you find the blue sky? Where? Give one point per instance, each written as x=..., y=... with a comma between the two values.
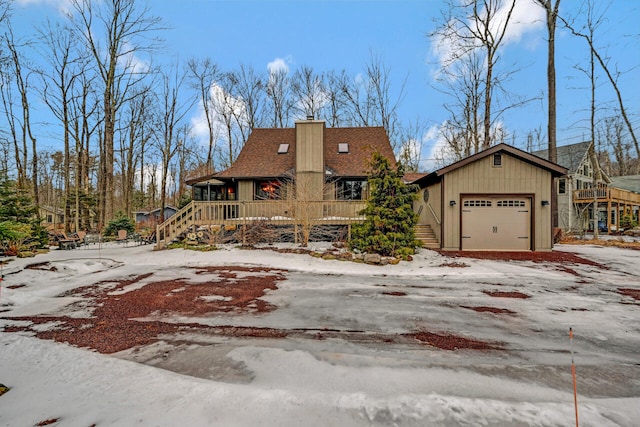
x=342, y=34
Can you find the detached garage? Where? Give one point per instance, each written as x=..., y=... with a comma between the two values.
x=499, y=199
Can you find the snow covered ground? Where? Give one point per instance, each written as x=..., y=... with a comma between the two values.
x=337, y=381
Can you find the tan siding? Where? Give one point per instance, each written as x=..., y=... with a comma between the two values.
x=309, y=146
x=513, y=177
x=433, y=206
x=245, y=190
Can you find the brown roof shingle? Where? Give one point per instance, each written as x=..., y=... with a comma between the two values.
x=259, y=157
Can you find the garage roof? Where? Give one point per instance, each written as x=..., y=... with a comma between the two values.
x=555, y=169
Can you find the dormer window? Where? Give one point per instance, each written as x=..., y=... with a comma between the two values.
x=283, y=149
x=343, y=147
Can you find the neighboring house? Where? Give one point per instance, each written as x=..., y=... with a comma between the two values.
x=325, y=168
x=498, y=199
x=629, y=186
x=153, y=216
x=576, y=195
x=52, y=218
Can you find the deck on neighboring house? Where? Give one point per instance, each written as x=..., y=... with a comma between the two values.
x=623, y=202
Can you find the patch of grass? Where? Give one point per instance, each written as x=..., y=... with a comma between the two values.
x=199, y=247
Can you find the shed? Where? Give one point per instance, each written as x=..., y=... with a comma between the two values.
x=153, y=216
x=498, y=199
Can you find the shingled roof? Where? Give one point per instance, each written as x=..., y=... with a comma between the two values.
x=570, y=156
x=259, y=157
x=629, y=183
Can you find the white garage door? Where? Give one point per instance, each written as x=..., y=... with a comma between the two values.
x=496, y=223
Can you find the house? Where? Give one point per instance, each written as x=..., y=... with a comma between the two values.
x=153, y=216
x=497, y=199
x=324, y=168
x=577, y=193
x=52, y=217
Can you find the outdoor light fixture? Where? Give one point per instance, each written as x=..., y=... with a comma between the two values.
x=452, y=202
x=545, y=203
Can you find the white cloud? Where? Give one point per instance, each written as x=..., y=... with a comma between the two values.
x=527, y=17
x=279, y=64
x=221, y=101
x=63, y=6
x=132, y=62
x=431, y=148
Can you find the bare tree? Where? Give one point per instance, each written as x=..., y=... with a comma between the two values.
x=309, y=94
x=114, y=32
x=65, y=66
x=250, y=91
x=411, y=148
x=172, y=110
x=133, y=142
x=13, y=141
x=336, y=100
x=463, y=83
x=187, y=160
x=229, y=114
x=551, y=10
x=477, y=25
x=85, y=121
x=24, y=134
x=588, y=36
x=279, y=97
x=203, y=74
x=250, y=88
x=369, y=100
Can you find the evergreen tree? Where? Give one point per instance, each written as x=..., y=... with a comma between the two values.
x=19, y=214
x=388, y=228
x=120, y=222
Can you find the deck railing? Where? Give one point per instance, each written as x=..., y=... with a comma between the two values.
x=203, y=213
x=606, y=195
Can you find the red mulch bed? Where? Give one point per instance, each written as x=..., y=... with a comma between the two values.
x=633, y=293
x=502, y=294
x=113, y=326
x=122, y=319
x=539, y=257
x=485, y=309
x=451, y=342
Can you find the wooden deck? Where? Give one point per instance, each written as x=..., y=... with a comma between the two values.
x=622, y=202
x=243, y=213
x=605, y=195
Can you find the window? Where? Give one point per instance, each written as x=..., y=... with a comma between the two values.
x=562, y=186
x=511, y=203
x=477, y=203
x=283, y=149
x=351, y=190
x=268, y=190
x=343, y=147
x=497, y=160
x=578, y=184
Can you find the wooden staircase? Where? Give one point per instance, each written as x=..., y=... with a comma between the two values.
x=425, y=234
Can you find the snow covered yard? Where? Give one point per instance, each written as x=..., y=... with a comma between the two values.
x=255, y=337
